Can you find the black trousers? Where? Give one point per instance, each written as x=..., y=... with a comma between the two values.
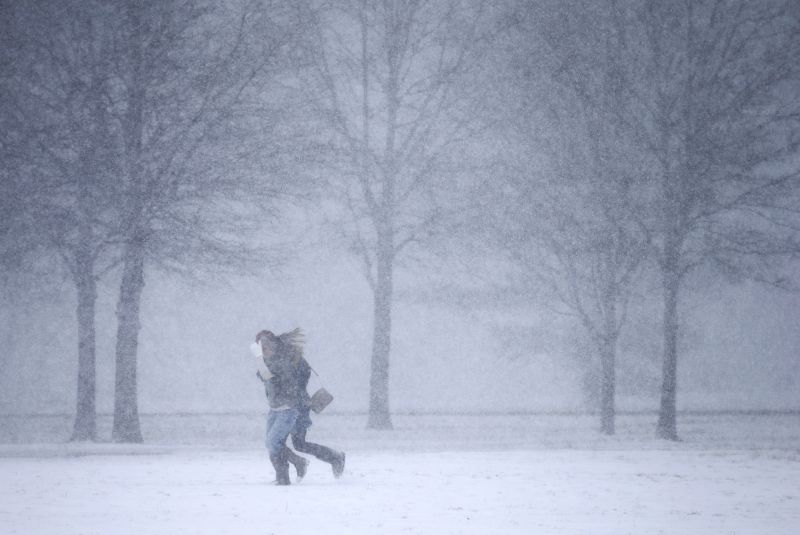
x=299, y=442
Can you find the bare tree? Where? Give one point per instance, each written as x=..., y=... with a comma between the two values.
x=719, y=119
x=705, y=88
x=390, y=81
x=569, y=212
x=197, y=165
x=16, y=196
x=58, y=128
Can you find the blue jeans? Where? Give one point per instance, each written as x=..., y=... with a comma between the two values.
x=279, y=425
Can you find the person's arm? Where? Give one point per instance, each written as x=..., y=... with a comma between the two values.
x=263, y=373
x=304, y=373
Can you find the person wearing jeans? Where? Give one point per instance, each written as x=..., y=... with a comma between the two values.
x=285, y=401
x=279, y=424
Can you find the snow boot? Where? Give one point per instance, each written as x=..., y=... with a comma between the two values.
x=300, y=465
x=281, y=464
x=337, y=465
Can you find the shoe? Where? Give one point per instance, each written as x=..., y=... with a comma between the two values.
x=338, y=465
x=301, y=466
x=281, y=466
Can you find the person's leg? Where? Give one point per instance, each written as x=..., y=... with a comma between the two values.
x=281, y=465
x=323, y=453
x=279, y=425
x=270, y=421
x=300, y=463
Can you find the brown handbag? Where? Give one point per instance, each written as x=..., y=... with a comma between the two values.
x=321, y=399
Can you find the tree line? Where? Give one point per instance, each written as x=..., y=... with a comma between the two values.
x=592, y=146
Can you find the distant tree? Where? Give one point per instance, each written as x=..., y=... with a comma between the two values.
x=708, y=90
x=722, y=124
x=58, y=131
x=569, y=210
x=17, y=199
x=393, y=85
x=16, y=237
x=196, y=104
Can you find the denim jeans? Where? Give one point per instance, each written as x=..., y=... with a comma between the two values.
x=279, y=425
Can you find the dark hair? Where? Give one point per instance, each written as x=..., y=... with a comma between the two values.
x=269, y=335
x=289, y=343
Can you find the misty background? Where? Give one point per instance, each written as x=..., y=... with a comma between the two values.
x=741, y=353
x=468, y=207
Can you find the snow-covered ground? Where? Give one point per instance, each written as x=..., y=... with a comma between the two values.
x=430, y=475
x=558, y=491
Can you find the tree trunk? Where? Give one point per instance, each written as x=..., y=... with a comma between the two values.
x=126, y=412
x=379, y=414
x=85, y=427
x=10, y=328
x=608, y=389
x=608, y=345
x=667, y=426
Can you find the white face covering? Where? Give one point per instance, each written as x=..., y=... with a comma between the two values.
x=255, y=349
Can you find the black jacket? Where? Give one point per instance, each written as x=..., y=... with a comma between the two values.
x=287, y=386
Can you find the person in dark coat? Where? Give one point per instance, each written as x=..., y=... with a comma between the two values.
x=334, y=458
x=285, y=402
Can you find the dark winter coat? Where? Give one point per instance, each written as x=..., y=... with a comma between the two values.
x=290, y=375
